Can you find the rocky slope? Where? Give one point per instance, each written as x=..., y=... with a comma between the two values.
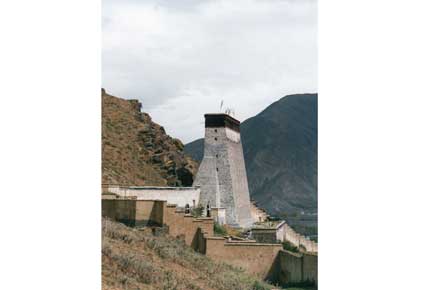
x=137, y=151
x=280, y=149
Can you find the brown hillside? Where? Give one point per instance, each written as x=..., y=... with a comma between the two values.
x=136, y=259
x=137, y=151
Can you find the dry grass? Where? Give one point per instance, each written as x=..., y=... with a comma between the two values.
x=130, y=142
x=133, y=259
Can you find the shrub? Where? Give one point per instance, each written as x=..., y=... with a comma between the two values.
x=310, y=285
x=290, y=247
x=259, y=286
x=118, y=231
x=219, y=230
x=142, y=268
x=197, y=211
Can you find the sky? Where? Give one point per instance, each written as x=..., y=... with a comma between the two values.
x=182, y=58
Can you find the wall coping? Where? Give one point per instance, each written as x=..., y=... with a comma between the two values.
x=241, y=241
x=298, y=255
x=136, y=199
x=264, y=230
x=311, y=253
x=153, y=187
x=267, y=227
x=215, y=238
x=155, y=200
x=233, y=243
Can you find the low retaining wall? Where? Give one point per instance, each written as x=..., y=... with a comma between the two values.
x=255, y=258
x=299, y=240
x=185, y=226
x=265, y=235
x=283, y=232
x=264, y=260
x=296, y=268
x=134, y=212
x=258, y=215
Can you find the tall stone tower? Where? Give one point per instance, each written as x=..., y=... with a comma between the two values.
x=222, y=174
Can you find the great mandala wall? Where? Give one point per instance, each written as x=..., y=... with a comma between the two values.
x=220, y=188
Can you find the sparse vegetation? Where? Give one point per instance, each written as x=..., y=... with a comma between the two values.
x=137, y=151
x=197, y=211
x=220, y=230
x=288, y=246
x=273, y=218
x=306, y=285
x=133, y=259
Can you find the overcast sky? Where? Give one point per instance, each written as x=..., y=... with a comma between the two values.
x=181, y=58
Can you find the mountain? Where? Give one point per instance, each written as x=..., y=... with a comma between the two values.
x=280, y=150
x=137, y=151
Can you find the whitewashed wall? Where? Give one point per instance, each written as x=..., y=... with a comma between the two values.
x=172, y=195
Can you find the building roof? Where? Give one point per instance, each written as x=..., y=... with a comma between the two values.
x=221, y=120
x=268, y=225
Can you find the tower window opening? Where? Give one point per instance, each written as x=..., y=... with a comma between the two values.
x=215, y=138
x=215, y=130
x=216, y=169
x=216, y=155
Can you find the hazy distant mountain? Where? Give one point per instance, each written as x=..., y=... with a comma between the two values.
x=280, y=149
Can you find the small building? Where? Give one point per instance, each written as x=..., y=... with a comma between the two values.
x=269, y=231
x=280, y=231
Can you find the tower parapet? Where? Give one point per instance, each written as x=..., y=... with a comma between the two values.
x=222, y=174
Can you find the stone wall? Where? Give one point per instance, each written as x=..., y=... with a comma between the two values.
x=258, y=214
x=290, y=268
x=265, y=235
x=219, y=215
x=185, y=226
x=264, y=260
x=280, y=233
x=150, y=212
x=123, y=211
x=310, y=267
x=239, y=182
x=296, y=268
x=255, y=258
x=173, y=195
x=134, y=212
x=269, y=232
x=299, y=240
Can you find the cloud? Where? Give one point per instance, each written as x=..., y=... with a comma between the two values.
x=181, y=58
